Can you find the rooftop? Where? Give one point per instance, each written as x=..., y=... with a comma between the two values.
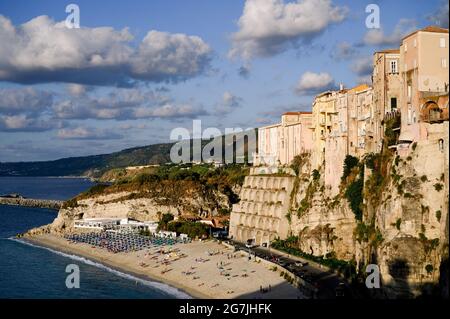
x=388, y=51
x=359, y=88
x=296, y=113
x=430, y=28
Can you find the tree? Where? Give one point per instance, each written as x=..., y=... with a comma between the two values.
x=165, y=220
x=349, y=163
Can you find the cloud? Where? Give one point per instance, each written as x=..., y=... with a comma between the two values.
x=269, y=27
x=86, y=133
x=311, y=83
x=42, y=50
x=363, y=66
x=78, y=90
x=365, y=79
x=23, y=123
x=377, y=37
x=24, y=100
x=228, y=104
x=343, y=51
x=440, y=16
x=118, y=104
x=169, y=111
x=263, y=121
x=244, y=71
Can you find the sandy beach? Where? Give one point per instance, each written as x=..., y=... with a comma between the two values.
x=206, y=270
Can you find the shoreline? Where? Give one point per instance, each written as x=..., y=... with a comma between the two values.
x=61, y=248
x=224, y=288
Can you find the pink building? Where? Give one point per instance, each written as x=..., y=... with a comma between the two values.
x=278, y=144
x=424, y=71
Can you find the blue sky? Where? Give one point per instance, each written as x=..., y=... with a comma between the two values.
x=65, y=94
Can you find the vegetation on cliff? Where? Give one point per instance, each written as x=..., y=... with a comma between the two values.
x=177, y=186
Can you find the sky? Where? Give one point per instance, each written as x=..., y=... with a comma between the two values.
x=135, y=70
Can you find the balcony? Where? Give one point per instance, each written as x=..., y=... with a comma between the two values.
x=431, y=113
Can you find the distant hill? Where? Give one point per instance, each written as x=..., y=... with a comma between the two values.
x=90, y=165
x=96, y=165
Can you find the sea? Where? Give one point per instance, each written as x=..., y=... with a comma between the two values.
x=33, y=272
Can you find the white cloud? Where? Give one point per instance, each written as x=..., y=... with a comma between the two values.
x=169, y=111
x=268, y=27
x=311, y=83
x=78, y=90
x=377, y=37
x=440, y=17
x=344, y=51
x=363, y=66
x=42, y=50
x=23, y=123
x=229, y=103
x=86, y=133
x=24, y=100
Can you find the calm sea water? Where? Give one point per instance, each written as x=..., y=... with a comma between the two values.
x=28, y=271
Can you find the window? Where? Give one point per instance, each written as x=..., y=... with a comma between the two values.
x=393, y=103
x=442, y=42
x=406, y=47
x=409, y=115
x=415, y=42
x=444, y=62
x=394, y=67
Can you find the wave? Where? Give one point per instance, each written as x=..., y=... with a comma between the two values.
x=153, y=284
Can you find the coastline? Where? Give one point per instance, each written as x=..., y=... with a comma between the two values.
x=57, y=245
x=129, y=264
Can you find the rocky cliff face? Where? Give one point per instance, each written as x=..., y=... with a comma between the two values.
x=404, y=224
x=136, y=205
x=391, y=211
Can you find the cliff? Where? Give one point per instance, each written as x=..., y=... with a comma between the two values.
x=391, y=210
x=199, y=192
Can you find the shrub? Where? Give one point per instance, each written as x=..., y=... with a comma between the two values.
x=409, y=158
x=391, y=136
x=438, y=187
x=414, y=145
x=95, y=190
x=192, y=229
x=424, y=178
x=438, y=215
x=165, y=220
x=297, y=163
x=349, y=163
x=429, y=268
x=316, y=175
x=398, y=223
x=370, y=160
x=71, y=203
x=354, y=195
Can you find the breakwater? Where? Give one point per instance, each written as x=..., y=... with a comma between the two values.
x=31, y=202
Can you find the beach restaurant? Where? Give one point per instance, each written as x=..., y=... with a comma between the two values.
x=121, y=224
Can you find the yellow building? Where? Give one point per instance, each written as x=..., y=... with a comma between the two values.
x=323, y=109
x=387, y=87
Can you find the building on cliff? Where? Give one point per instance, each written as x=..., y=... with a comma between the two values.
x=410, y=84
x=278, y=144
x=387, y=88
x=424, y=71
